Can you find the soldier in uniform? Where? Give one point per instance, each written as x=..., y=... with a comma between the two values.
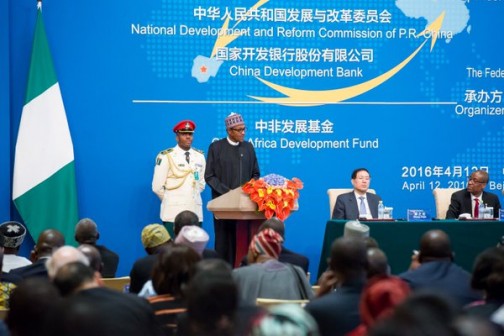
x=179, y=176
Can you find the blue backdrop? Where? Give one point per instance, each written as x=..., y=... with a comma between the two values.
x=130, y=70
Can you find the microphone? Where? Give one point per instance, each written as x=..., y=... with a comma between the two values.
x=241, y=157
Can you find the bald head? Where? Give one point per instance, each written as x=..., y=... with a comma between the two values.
x=86, y=232
x=62, y=256
x=377, y=262
x=93, y=255
x=349, y=258
x=48, y=241
x=435, y=244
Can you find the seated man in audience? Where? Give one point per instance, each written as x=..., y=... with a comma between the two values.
x=155, y=238
x=7, y=281
x=467, y=201
x=358, y=203
x=337, y=311
x=62, y=256
x=14, y=234
x=266, y=277
x=186, y=218
x=93, y=256
x=286, y=255
x=92, y=309
x=48, y=241
x=437, y=271
x=86, y=232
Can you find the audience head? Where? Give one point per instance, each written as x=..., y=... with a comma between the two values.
x=185, y=218
x=435, y=245
x=355, y=229
x=30, y=306
x=380, y=296
x=14, y=234
x=377, y=262
x=93, y=255
x=421, y=314
x=74, y=276
x=267, y=244
x=212, y=300
x=48, y=241
x=477, y=182
x=275, y=224
x=193, y=237
x=361, y=180
x=371, y=242
x=62, y=256
x=86, y=232
x=287, y=320
x=488, y=273
x=348, y=258
x=174, y=269
x=155, y=237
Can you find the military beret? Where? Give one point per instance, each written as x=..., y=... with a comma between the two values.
x=185, y=126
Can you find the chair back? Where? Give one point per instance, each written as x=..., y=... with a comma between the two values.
x=334, y=193
x=117, y=284
x=3, y=313
x=442, y=198
x=264, y=302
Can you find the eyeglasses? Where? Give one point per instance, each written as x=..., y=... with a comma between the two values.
x=239, y=130
x=474, y=180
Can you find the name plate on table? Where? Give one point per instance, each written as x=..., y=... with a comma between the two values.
x=417, y=216
x=501, y=214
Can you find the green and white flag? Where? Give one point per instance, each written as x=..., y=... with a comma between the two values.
x=44, y=189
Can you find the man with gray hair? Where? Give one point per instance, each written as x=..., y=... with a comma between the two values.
x=62, y=256
x=86, y=232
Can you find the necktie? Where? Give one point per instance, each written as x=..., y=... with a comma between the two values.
x=362, y=206
x=476, y=208
x=187, y=157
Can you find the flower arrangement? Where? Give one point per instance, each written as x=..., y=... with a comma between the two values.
x=274, y=194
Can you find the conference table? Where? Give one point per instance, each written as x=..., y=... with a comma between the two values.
x=399, y=238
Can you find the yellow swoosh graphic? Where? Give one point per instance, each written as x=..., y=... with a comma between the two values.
x=298, y=97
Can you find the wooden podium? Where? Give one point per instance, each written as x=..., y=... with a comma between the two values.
x=237, y=205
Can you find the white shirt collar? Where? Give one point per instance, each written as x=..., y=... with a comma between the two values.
x=231, y=142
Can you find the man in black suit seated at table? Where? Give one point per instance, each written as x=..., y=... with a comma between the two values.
x=467, y=201
x=48, y=242
x=86, y=232
x=357, y=203
x=286, y=255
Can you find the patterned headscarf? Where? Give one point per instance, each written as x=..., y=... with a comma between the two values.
x=266, y=242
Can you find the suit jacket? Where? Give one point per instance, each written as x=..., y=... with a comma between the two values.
x=38, y=268
x=102, y=311
x=446, y=278
x=110, y=261
x=461, y=202
x=337, y=313
x=346, y=206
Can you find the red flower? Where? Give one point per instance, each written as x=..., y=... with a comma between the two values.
x=274, y=199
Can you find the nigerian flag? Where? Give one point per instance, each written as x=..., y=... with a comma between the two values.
x=44, y=189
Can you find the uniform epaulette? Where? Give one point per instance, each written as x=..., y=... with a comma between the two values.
x=198, y=150
x=166, y=151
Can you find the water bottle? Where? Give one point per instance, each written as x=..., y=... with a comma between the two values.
x=381, y=210
x=481, y=211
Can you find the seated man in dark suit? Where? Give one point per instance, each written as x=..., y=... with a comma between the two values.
x=86, y=232
x=436, y=270
x=286, y=255
x=468, y=200
x=357, y=203
x=48, y=242
x=337, y=311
